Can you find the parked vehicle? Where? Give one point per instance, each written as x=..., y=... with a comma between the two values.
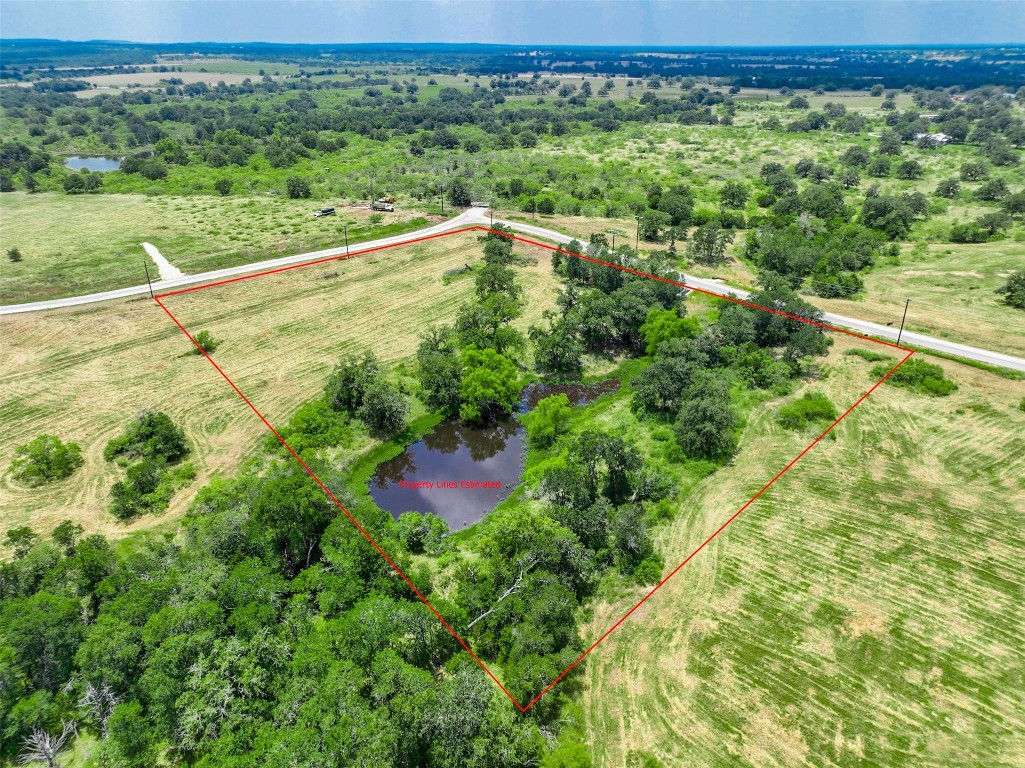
x=379, y=206
x=323, y=212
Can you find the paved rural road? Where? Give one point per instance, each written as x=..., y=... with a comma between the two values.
x=468, y=218
x=862, y=326
x=475, y=216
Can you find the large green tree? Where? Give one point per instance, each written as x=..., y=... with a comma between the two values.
x=490, y=386
x=45, y=459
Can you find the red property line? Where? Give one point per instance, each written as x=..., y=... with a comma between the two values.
x=420, y=596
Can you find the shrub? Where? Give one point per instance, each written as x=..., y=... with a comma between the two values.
x=14, y=255
x=968, y=233
x=422, y=533
x=350, y=381
x=865, y=354
x=992, y=190
x=74, y=184
x=45, y=459
x=314, y=425
x=547, y=421
x=948, y=188
x=648, y=571
x=1014, y=290
x=207, y=343
x=147, y=487
x=297, y=187
x=918, y=375
x=153, y=170
x=974, y=171
x=812, y=407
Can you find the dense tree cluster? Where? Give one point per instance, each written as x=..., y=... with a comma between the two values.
x=689, y=380
x=358, y=388
x=270, y=634
x=281, y=123
x=151, y=450
x=602, y=309
x=469, y=367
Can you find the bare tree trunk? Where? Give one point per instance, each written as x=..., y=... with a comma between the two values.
x=511, y=591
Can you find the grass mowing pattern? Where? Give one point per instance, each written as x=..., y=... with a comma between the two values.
x=83, y=374
x=865, y=611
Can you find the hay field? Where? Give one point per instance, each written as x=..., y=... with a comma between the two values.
x=77, y=244
x=83, y=374
x=865, y=611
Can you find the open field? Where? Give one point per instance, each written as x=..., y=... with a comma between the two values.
x=866, y=610
x=226, y=65
x=156, y=79
x=84, y=374
x=951, y=287
x=96, y=246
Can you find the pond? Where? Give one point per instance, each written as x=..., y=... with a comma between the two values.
x=77, y=163
x=461, y=472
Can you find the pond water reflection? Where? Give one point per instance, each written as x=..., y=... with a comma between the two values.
x=461, y=472
x=77, y=163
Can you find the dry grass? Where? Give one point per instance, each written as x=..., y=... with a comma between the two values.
x=83, y=374
x=864, y=611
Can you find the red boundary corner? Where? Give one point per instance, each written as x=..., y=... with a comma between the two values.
x=657, y=587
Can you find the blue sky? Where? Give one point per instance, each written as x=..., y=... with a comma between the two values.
x=546, y=22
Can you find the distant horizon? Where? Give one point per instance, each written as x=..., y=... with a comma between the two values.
x=631, y=46
x=594, y=23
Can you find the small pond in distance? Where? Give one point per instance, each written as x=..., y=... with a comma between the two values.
x=77, y=163
x=491, y=457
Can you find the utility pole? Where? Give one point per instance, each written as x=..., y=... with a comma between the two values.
x=613, y=241
x=442, y=198
x=371, y=190
x=901, y=331
x=146, y=267
x=491, y=210
x=345, y=231
x=637, y=235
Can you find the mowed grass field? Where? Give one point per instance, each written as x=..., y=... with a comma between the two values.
x=865, y=611
x=84, y=374
x=77, y=244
